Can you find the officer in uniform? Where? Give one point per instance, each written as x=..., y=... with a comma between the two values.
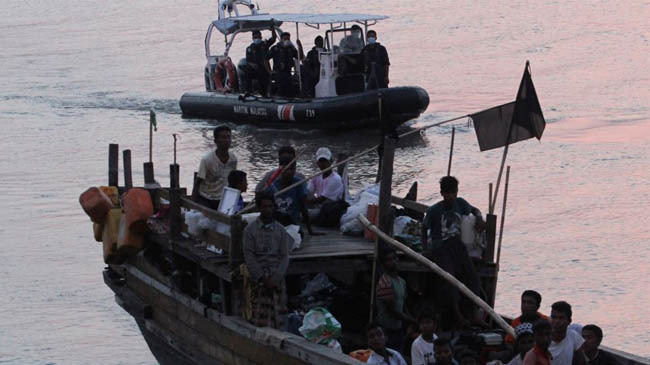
x=257, y=61
x=283, y=55
x=311, y=67
x=376, y=63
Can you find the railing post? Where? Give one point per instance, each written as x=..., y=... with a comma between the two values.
x=113, y=156
x=128, y=177
x=175, y=221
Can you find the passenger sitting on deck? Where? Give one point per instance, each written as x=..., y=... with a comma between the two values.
x=352, y=43
x=440, y=236
x=237, y=180
x=214, y=169
x=291, y=203
x=443, y=352
x=391, y=293
x=530, y=303
x=283, y=55
x=593, y=335
x=525, y=342
x=257, y=62
x=326, y=187
x=381, y=354
x=272, y=175
x=422, y=347
x=376, y=62
x=539, y=354
x=266, y=253
x=566, y=343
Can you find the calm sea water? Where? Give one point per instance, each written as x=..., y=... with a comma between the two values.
x=77, y=75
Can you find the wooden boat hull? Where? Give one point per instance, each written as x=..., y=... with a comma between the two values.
x=359, y=110
x=181, y=330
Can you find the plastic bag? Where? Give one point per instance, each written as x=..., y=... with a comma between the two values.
x=335, y=345
x=292, y=230
x=349, y=222
x=318, y=283
x=400, y=223
x=320, y=326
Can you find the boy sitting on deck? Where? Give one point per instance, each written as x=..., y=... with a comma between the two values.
x=441, y=237
x=214, y=169
x=391, y=293
x=266, y=254
x=381, y=354
x=237, y=180
x=422, y=347
x=443, y=352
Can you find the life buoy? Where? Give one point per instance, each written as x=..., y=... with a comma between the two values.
x=230, y=82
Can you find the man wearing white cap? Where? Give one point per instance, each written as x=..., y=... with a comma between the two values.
x=326, y=187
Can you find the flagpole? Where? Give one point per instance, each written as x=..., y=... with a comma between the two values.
x=505, y=150
x=503, y=161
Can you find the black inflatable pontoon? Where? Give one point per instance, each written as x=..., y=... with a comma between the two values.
x=359, y=110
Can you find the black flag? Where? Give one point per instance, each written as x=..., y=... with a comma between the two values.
x=512, y=122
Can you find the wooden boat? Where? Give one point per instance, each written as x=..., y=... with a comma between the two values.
x=187, y=300
x=341, y=99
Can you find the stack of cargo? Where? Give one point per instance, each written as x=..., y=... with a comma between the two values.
x=120, y=229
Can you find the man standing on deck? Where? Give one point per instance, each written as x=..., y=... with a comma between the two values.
x=441, y=238
x=257, y=61
x=376, y=62
x=283, y=55
x=214, y=169
x=565, y=345
x=266, y=253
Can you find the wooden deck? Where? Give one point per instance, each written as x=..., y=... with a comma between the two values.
x=332, y=244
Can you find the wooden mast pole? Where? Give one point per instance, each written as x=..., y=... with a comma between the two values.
x=385, y=220
x=451, y=150
x=442, y=273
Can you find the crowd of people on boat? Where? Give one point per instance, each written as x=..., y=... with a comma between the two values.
x=274, y=68
x=284, y=198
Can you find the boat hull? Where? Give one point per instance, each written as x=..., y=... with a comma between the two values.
x=181, y=330
x=360, y=110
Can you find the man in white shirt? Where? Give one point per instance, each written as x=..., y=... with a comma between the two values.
x=422, y=348
x=327, y=187
x=214, y=169
x=381, y=355
x=565, y=344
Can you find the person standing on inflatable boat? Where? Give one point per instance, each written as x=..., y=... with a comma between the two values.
x=257, y=61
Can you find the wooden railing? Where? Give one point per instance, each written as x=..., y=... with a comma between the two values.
x=231, y=244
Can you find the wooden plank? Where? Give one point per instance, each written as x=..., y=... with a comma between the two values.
x=419, y=207
x=236, y=250
x=215, y=238
x=327, y=266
